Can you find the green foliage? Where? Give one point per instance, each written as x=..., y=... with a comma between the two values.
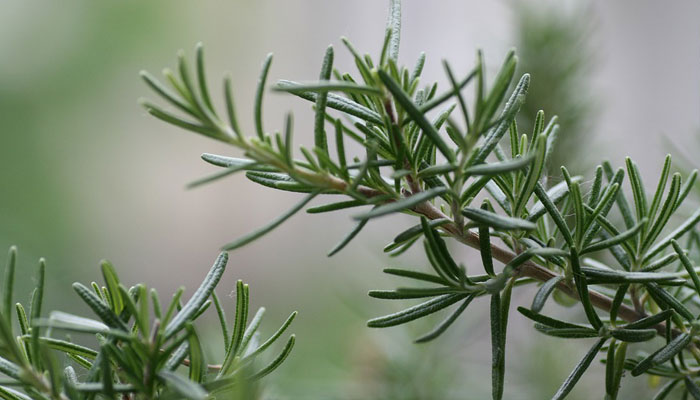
x=141, y=350
x=482, y=183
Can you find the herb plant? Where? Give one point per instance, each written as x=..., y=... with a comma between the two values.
x=140, y=345
x=458, y=163
x=468, y=173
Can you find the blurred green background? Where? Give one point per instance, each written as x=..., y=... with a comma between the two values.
x=86, y=174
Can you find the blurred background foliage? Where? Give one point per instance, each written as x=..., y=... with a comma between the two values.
x=85, y=175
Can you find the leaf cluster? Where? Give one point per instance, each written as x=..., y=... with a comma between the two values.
x=144, y=351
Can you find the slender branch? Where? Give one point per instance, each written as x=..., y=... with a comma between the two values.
x=528, y=269
x=531, y=270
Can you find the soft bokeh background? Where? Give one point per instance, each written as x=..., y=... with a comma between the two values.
x=86, y=174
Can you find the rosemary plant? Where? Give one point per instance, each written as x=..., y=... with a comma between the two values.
x=140, y=345
x=464, y=169
x=468, y=173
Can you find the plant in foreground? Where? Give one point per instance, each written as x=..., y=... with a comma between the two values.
x=140, y=345
x=469, y=173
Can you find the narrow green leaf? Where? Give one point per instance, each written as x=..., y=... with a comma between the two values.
x=320, y=139
x=533, y=176
x=394, y=27
x=197, y=364
x=402, y=204
x=416, y=311
x=418, y=68
x=551, y=322
x=553, y=211
x=665, y=212
x=189, y=92
x=687, y=264
x=621, y=199
x=272, y=338
x=94, y=387
x=231, y=108
x=324, y=85
x=687, y=186
x=600, y=275
x=664, y=297
x=238, y=327
x=259, y=96
x=112, y=281
x=663, y=178
x=500, y=196
x=199, y=297
x=107, y=378
x=500, y=86
x=640, y=200
x=270, y=226
x=442, y=326
x=251, y=329
x=38, y=294
x=416, y=275
x=692, y=387
x=485, y=247
x=497, y=221
x=582, y=289
x=543, y=293
x=567, y=333
x=341, y=205
x=278, y=181
x=10, y=394
x=460, y=98
x=233, y=162
x=8, y=285
x=666, y=390
x=650, y=321
x=201, y=77
x=166, y=94
x=555, y=194
x=619, y=367
x=633, y=335
x=617, y=239
x=348, y=238
x=221, y=314
x=617, y=301
x=184, y=387
x=606, y=202
x=336, y=102
x=436, y=170
x=22, y=319
x=277, y=361
x=66, y=347
x=412, y=293
x=678, y=232
x=439, y=256
x=497, y=168
x=99, y=307
x=576, y=374
x=663, y=354
x=610, y=364
x=9, y=368
x=177, y=121
x=498, y=348
x=595, y=188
